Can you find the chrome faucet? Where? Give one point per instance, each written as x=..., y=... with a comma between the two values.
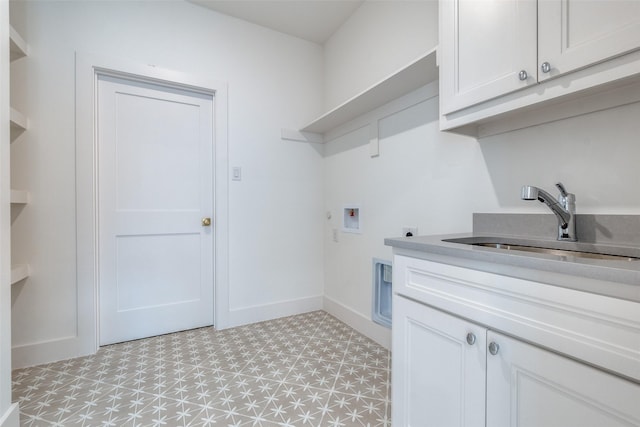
x=564, y=208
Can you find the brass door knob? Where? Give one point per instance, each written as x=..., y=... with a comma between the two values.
x=206, y=222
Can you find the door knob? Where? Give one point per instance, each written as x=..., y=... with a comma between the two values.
x=206, y=222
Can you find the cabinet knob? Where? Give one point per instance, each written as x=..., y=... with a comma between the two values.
x=545, y=67
x=494, y=348
x=471, y=338
x=522, y=75
x=206, y=222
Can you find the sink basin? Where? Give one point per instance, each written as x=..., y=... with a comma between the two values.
x=565, y=250
x=558, y=252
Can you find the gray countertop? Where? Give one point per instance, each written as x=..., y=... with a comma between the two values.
x=617, y=279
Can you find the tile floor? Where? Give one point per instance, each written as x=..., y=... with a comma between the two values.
x=306, y=370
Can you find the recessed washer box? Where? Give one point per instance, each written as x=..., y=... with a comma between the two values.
x=351, y=219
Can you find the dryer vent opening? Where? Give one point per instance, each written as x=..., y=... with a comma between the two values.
x=382, y=292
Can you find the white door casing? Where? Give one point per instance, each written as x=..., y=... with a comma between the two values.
x=88, y=68
x=154, y=187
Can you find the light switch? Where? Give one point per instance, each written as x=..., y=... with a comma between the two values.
x=236, y=173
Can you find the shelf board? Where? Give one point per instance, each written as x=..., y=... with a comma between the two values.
x=19, y=272
x=19, y=47
x=18, y=120
x=420, y=72
x=20, y=197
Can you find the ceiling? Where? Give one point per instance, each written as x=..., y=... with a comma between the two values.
x=313, y=20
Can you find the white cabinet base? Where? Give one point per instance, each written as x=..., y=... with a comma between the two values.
x=437, y=375
x=531, y=387
x=561, y=358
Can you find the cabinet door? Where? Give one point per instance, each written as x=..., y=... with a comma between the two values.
x=577, y=33
x=438, y=377
x=484, y=45
x=531, y=387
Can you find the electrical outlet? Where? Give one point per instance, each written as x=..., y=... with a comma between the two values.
x=335, y=235
x=409, y=231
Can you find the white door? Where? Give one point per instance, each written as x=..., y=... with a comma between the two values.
x=576, y=33
x=531, y=387
x=438, y=373
x=484, y=45
x=155, y=150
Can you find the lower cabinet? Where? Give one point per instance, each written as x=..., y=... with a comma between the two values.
x=531, y=387
x=452, y=372
x=438, y=368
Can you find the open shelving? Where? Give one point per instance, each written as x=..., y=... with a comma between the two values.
x=19, y=272
x=19, y=197
x=418, y=73
x=18, y=121
x=19, y=47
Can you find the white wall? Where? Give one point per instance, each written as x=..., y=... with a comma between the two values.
x=274, y=81
x=423, y=177
x=377, y=40
x=436, y=180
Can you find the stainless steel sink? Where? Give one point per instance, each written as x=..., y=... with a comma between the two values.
x=558, y=252
x=566, y=250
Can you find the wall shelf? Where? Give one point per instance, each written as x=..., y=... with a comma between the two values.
x=18, y=120
x=19, y=272
x=19, y=47
x=418, y=73
x=19, y=197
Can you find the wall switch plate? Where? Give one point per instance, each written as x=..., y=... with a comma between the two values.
x=409, y=229
x=236, y=173
x=335, y=235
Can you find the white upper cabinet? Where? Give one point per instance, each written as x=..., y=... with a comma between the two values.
x=573, y=34
x=497, y=57
x=485, y=45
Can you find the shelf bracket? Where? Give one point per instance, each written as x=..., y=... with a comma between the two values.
x=295, y=135
x=374, y=141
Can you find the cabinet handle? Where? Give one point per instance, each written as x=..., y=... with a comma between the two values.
x=471, y=338
x=494, y=348
x=522, y=75
x=545, y=67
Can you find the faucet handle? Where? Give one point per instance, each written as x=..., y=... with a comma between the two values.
x=563, y=191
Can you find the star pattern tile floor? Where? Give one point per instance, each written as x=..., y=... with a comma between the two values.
x=299, y=371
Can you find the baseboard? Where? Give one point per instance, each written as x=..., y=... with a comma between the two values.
x=259, y=313
x=26, y=355
x=357, y=321
x=11, y=418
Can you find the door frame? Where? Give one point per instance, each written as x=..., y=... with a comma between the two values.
x=88, y=68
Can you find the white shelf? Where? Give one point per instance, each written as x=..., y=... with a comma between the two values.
x=19, y=272
x=18, y=120
x=415, y=75
x=20, y=197
x=19, y=47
